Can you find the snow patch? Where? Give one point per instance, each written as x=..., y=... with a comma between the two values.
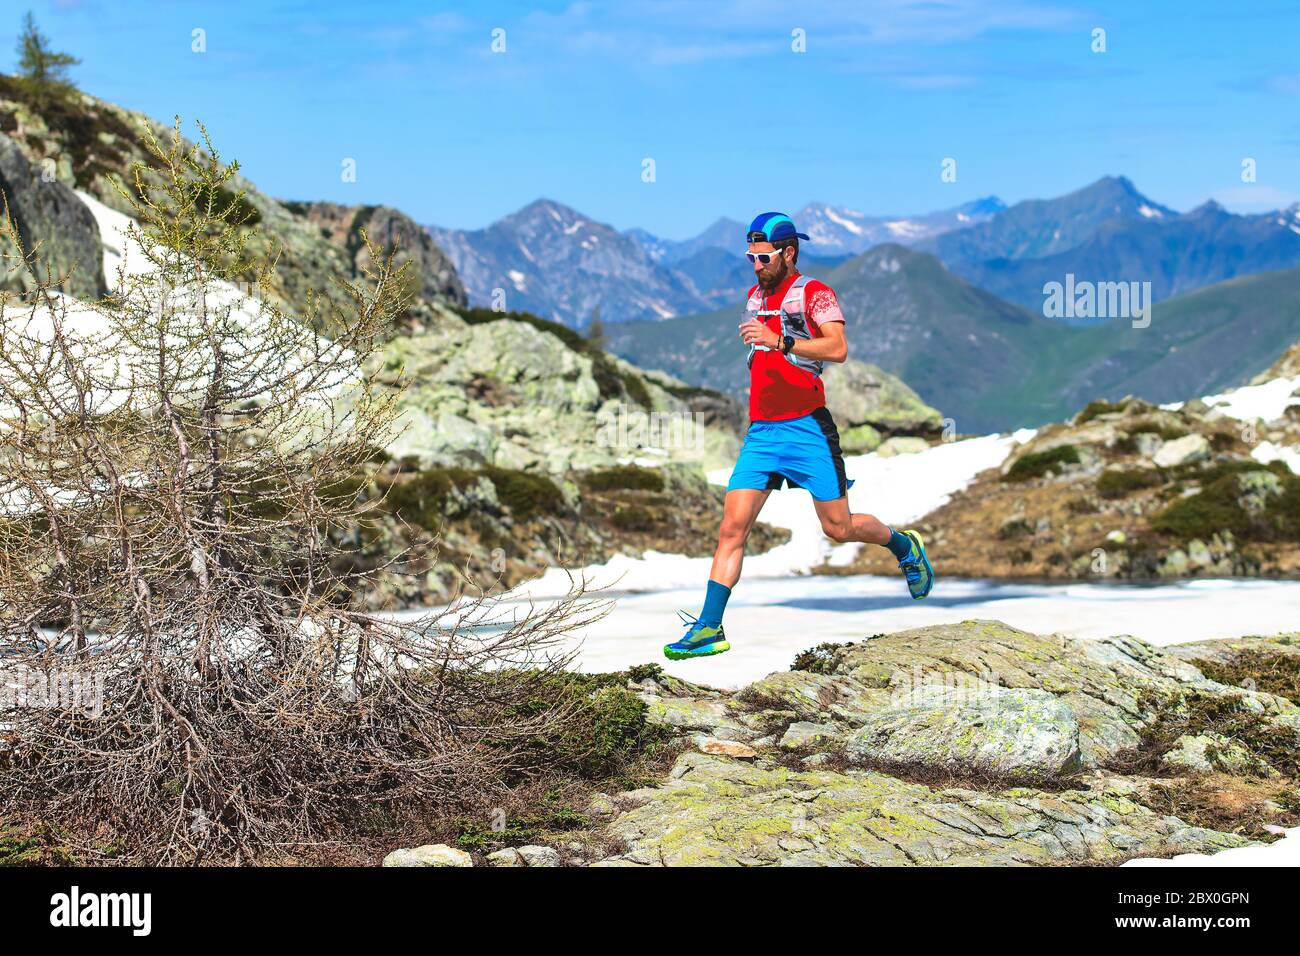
x=1285, y=852
x=899, y=489
x=1267, y=401
x=905, y=228
x=1267, y=451
x=848, y=224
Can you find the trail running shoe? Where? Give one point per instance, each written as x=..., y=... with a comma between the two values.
x=916, y=568
x=700, y=640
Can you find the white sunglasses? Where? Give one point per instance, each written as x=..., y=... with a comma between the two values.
x=764, y=257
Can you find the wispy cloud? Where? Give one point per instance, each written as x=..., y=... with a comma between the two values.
x=674, y=32
x=1288, y=84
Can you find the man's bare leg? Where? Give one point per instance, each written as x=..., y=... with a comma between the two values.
x=841, y=525
x=704, y=635
x=739, y=512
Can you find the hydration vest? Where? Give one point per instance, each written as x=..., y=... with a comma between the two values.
x=793, y=323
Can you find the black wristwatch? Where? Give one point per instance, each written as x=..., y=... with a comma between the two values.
x=787, y=343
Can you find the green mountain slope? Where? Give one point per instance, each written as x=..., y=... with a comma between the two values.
x=1203, y=342
x=992, y=365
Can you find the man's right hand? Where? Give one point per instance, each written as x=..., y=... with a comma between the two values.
x=754, y=332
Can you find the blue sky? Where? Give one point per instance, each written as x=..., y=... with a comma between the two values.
x=735, y=120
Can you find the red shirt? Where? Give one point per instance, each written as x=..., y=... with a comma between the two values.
x=777, y=389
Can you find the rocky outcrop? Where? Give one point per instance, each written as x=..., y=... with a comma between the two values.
x=973, y=743
x=89, y=143
x=1010, y=734
x=435, y=854
x=387, y=229
x=508, y=393
x=1008, y=749
x=1224, y=650
x=718, y=812
x=1128, y=490
x=1287, y=366
x=868, y=404
x=491, y=526
x=55, y=226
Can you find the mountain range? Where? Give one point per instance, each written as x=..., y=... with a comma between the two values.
x=1106, y=232
x=553, y=261
x=1110, y=232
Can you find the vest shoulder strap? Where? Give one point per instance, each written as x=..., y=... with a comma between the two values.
x=792, y=301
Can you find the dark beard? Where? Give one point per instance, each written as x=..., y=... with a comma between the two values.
x=781, y=277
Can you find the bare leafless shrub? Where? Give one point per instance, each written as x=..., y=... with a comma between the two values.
x=172, y=460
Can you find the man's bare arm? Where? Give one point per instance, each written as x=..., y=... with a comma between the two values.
x=830, y=346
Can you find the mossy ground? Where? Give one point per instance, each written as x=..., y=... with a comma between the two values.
x=1040, y=464
x=1258, y=669
x=1121, y=522
x=1240, y=804
x=1218, y=506
x=28, y=842
x=605, y=744
x=1229, y=804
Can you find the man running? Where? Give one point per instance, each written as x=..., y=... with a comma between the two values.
x=793, y=325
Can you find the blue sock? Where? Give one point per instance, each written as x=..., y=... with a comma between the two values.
x=715, y=602
x=900, y=545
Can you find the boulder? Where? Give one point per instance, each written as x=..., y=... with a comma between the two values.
x=902, y=445
x=507, y=857
x=1206, y=753
x=540, y=855
x=688, y=714
x=50, y=214
x=1148, y=444
x=509, y=394
x=1256, y=488
x=858, y=393
x=1182, y=451
x=1104, y=681
x=813, y=697
x=802, y=734
x=600, y=806
x=435, y=854
x=1005, y=733
x=432, y=272
x=859, y=440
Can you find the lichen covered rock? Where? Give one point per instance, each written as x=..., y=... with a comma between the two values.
x=969, y=743
x=435, y=854
x=718, y=812
x=1028, y=735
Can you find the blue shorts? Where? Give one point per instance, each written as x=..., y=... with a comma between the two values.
x=799, y=452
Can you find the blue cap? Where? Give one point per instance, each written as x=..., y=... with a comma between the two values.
x=774, y=225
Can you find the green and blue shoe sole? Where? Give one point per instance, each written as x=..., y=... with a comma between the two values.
x=919, y=547
x=708, y=645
